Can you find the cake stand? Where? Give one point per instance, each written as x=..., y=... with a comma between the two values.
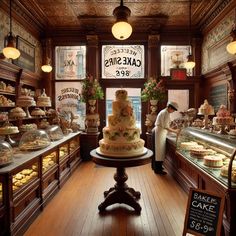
x=206, y=120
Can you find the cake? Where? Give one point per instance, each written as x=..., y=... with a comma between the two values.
x=213, y=161
x=121, y=137
x=200, y=153
x=225, y=169
x=190, y=145
x=38, y=112
x=8, y=128
x=43, y=100
x=27, y=127
x=25, y=101
x=17, y=112
x=223, y=117
x=206, y=109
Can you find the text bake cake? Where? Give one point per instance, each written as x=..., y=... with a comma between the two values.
x=121, y=137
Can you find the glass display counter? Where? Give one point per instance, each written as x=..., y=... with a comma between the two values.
x=63, y=151
x=49, y=161
x=25, y=176
x=209, y=151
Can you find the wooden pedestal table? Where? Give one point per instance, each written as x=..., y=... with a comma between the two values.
x=121, y=193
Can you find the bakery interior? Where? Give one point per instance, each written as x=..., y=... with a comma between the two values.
x=50, y=121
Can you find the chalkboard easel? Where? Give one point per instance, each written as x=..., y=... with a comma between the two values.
x=204, y=213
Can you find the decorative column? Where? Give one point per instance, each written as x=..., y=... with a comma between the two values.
x=196, y=50
x=154, y=55
x=153, y=71
x=92, y=120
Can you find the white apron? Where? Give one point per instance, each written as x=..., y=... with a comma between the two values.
x=162, y=122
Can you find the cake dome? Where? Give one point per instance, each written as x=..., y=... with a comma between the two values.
x=6, y=153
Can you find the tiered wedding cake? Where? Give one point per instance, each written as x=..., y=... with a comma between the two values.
x=121, y=138
x=223, y=117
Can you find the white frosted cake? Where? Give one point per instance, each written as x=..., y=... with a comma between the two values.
x=121, y=138
x=206, y=109
x=223, y=117
x=44, y=100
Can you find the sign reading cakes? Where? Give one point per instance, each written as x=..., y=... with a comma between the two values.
x=123, y=61
x=204, y=213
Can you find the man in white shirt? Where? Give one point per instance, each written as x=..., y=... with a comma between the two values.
x=159, y=133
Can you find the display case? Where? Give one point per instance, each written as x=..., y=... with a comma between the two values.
x=54, y=132
x=23, y=177
x=209, y=151
x=191, y=171
x=6, y=153
x=63, y=151
x=49, y=161
x=34, y=140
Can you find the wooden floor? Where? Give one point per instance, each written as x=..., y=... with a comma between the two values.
x=73, y=210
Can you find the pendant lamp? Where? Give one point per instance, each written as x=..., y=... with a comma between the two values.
x=10, y=51
x=47, y=67
x=190, y=64
x=231, y=47
x=121, y=30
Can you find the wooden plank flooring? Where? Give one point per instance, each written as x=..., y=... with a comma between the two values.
x=73, y=210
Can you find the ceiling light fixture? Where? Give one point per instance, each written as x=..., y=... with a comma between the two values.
x=10, y=51
x=231, y=47
x=121, y=30
x=47, y=67
x=190, y=64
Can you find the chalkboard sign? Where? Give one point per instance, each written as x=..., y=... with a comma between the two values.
x=218, y=96
x=204, y=213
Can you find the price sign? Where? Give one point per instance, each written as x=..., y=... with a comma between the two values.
x=204, y=213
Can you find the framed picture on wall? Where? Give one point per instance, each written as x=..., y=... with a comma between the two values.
x=27, y=54
x=178, y=73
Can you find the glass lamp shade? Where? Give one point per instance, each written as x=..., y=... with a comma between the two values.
x=46, y=68
x=231, y=48
x=121, y=30
x=11, y=52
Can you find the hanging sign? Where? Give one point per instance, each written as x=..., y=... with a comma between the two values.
x=123, y=61
x=204, y=213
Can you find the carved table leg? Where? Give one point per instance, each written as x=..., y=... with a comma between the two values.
x=121, y=193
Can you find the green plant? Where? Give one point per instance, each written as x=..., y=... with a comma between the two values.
x=153, y=90
x=91, y=89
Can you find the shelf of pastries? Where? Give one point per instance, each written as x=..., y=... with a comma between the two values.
x=25, y=176
x=63, y=151
x=49, y=161
x=74, y=144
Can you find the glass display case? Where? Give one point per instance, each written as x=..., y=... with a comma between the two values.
x=34, y=140
x=24, y=176
x=54, y=132
x=49, y=161
x=210, y=152
x=74, y=144
x=6, y=153
x=63, y=151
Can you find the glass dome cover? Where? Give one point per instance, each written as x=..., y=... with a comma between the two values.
x=6, y=153
x=34, y=140
x=54, y=132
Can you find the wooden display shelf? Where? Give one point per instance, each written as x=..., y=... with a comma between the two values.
x=19, y=208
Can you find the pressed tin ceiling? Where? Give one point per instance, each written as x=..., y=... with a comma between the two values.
x=98, y=14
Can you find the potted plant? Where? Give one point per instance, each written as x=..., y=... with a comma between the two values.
x=153, y=90
x=91, y=90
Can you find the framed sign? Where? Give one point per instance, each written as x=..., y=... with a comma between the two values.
x=204, y=213
x=27, y=54
x=70, y=62
x=123, y=61
x=178, y=73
